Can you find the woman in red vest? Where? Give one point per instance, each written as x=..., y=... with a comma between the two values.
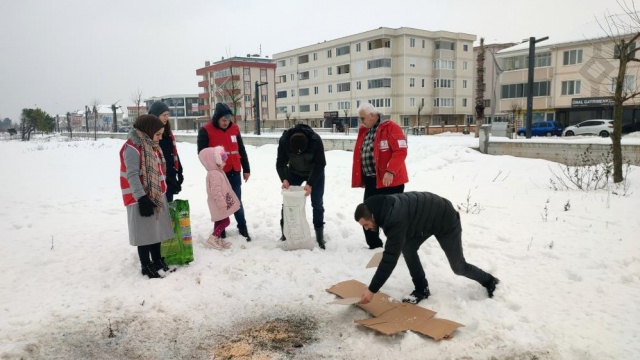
x=142, y=180
x=222, y=131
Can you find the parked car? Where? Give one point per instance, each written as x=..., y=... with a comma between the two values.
x=542, y=128
x=124, y=129
x=631, y=127
x=601, y=127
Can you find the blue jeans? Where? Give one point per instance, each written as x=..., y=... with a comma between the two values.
x=317, y=193
x=235, y=179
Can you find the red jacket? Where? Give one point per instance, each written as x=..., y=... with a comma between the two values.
x=389, y=152
x=229, y=140
x=127, y=194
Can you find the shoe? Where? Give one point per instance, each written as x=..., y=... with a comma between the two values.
x=416, y=296
x=225, y=244
x=150, y=271
x=215, y=242
x=320, y=237
x=161, y=265
x=491, y=285
x=244, y=232
x=223, y=235
x=283, y=238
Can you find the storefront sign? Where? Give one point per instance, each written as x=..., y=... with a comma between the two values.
x=593, y=101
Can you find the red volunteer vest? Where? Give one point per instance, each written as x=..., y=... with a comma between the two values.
x=229, y=141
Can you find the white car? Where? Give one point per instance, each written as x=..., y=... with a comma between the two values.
x=601, y=127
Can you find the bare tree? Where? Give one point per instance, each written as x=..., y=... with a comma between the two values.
x=95, y=104
x=420, y=107
x=623, y=30
x=136, y=97
x=230, y=91
x=479, y=108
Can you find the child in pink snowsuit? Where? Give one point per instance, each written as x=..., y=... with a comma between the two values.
x=222, y=200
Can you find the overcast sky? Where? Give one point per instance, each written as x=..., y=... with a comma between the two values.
x=62, y=55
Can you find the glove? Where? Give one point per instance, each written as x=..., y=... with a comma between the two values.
x=180, y=178
x=145, y=205
x=174, y=185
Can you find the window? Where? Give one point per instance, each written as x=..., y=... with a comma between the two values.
x=248, y=97
x=443, y=102
x=281, y=94
x=329, y=106
x=315, y=90
x=358, y=85
x=443, y=83
x=329, y=71
x=247, y=71
x=344, y=105
x=343, y=69
x=329, y=88
x=328, y=53
x=405, y=121
x=303, y=92
x=305, y=108
x=542, y=88
x=465, y=47
x=464, y=102
x=424, y=43
x=303, y=59
x=358, y=47
x=422, y=82
x=412, y=62
x=486, y=103
x=282, y=78
x=303, y=75
x=343, y=50
x=293, y=108
x=293, y=92
x=543, y=59
x=293, y=77
x=443, y=64
x=464, y=84
x=629, y=84
x=412, y=42
x=412, y=82
x=616, y=50
x=384, y=102
x=464, y=65
x=315, y=107
x=247, y=86
x=377, y=63
x=571, y=87
x=281, y=109
x=343, y=87
x=412, y=101
x=263, y=98
x=315, y=56
x=445, y=45
x=281, y=63
x=379, y=83
x=572, y=57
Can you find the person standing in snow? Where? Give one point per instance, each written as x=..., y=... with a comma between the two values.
x=378, y=160
x=301, y=158
x=222, y=131
x=142, y=180
x=221, y=198
x=169, y=150
x=408, y=220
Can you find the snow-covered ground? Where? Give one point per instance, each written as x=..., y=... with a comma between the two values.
x=71, y=288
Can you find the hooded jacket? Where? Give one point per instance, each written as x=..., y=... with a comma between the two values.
x=221, y=198
x=309, y=164
x=408, y=219
x=211, y=135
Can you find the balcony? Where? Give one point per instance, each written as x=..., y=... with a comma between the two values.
x=203, y=95
x=203, y=83
x=204, y=107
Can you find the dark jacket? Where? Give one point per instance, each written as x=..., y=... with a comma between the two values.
x=203, y=142
x=408, y=219
x=309, y=164
x=166, y=144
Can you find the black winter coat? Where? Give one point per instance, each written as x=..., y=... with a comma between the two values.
x=166, y=144
x=310, y=164
x=408, y=219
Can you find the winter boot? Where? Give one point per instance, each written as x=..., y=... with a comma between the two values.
x=490, y=285
x=244, y=232
x=215, y=242
x=225, y=244
x=161, y=265
x=320, y=237
x=151, y=272
x=416, y=296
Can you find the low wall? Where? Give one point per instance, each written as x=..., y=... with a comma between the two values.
x=562, y=152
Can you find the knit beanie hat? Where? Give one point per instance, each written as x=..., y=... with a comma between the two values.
x=298, y=142
x=220, y=111
x=157, y=108
x=219, y=155
x=148, y=124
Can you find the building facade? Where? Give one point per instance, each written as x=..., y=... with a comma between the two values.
x=492, y=72
x=233, y=81
x=415, y=77
x=573, y=81
x=184, y=110
x=133, y=112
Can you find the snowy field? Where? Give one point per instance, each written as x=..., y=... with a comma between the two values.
x=71, y=288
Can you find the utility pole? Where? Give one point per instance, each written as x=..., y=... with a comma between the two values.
x=86, y=117
x=257, y=105
x=532, y=60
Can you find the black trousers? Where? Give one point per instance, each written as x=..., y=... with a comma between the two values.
x=373, y=237
x=145, y=250
x=451, y=244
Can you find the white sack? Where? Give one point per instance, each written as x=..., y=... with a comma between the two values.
x=296, y=227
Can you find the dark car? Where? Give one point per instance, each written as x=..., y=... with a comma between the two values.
x=542, y=128
x=631, y=127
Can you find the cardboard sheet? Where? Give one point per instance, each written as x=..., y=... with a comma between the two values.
x=375, y=260
x=391, y=316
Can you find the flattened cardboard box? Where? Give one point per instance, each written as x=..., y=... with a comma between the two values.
x=391, y=316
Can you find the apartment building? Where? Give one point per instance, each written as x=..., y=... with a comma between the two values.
x=184, y=110
x=573, y=81
x=233, y=81
x=133, y=112
x=408, y=74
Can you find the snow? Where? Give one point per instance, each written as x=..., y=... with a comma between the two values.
x=570, y=279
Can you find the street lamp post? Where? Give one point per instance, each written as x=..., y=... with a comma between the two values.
x=257, y=104
x=532, y=60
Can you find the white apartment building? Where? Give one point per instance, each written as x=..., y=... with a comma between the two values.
x=406, y=73
x=184, y=109
x=573, y=81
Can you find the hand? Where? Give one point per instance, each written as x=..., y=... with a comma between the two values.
x=180, y=178
x=307, y=189
x=366, y=297
x=245, y=176
x=387, y=179
x=285, y=184
x=146, y=206
x=174, y=185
